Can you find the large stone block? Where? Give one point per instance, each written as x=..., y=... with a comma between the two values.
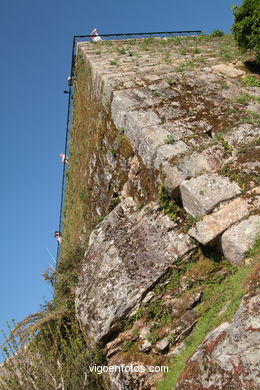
x=228, y=70
x=128, y=252
x=239, y=238
x=211, y=226
x=165, y=152
x=242, y=135
x=201, y=194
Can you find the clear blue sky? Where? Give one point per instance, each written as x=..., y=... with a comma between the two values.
x=36, y=38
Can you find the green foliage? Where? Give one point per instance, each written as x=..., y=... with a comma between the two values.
x=83, y=195
x=216, y=33
x=255, y=248
x=175, y=40
x=56, y=357
x=156, y=310
x=169, y=140
x=167, y=204
x=126, y=346
x=121, y=50
x=185, y=65
x=67, y=273
x=156, y=93
x=251, y=81
x=246, y=27
x=219, y=137
x=242, y=99
x=170, y=81
x=191, y=221
x=245, y=98
x=138, y=314
x=113, y=62
x=183, y=51
x=196, y=50
x=111, y=151
x=153, y=336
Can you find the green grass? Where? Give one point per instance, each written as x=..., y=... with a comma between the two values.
x=167, y=204
x=169, y=140
x=113, y=62
x=185, y=65
x=215, y=297
x=251, y=81
x=255, y=248
x=245, y=99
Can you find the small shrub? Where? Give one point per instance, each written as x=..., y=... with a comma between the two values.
x=121, y=50
x=169, y=140
x=156, y=93
x=170, y=81
x=126, y=346
x=196, y=50
x=113, y=62
x=153, y=337
x=216, y=33
x=168, y=205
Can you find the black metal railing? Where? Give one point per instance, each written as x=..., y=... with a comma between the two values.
x=80, y=38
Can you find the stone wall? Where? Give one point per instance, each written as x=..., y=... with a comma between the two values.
x=182, y=122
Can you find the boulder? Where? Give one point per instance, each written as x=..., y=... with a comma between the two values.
x=128, y=252
x=211, y=226
x=236, y=241
x=202, y=194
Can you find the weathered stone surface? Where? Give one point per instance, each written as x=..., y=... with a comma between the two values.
x=191, y=165
x=127, y=254
x=177, y=128
x=227, y=70
x=229, y=356
x=162, y=345
x=242, y=135
x=216, y=223
x=200, y=195
x=239, y=238
x=209, y=159
x=167, y=151
x=145, y=346
x=173, y=177
x=183, y=325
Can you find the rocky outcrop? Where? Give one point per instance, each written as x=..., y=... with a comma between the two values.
x=228, y=357
x=128, y=252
